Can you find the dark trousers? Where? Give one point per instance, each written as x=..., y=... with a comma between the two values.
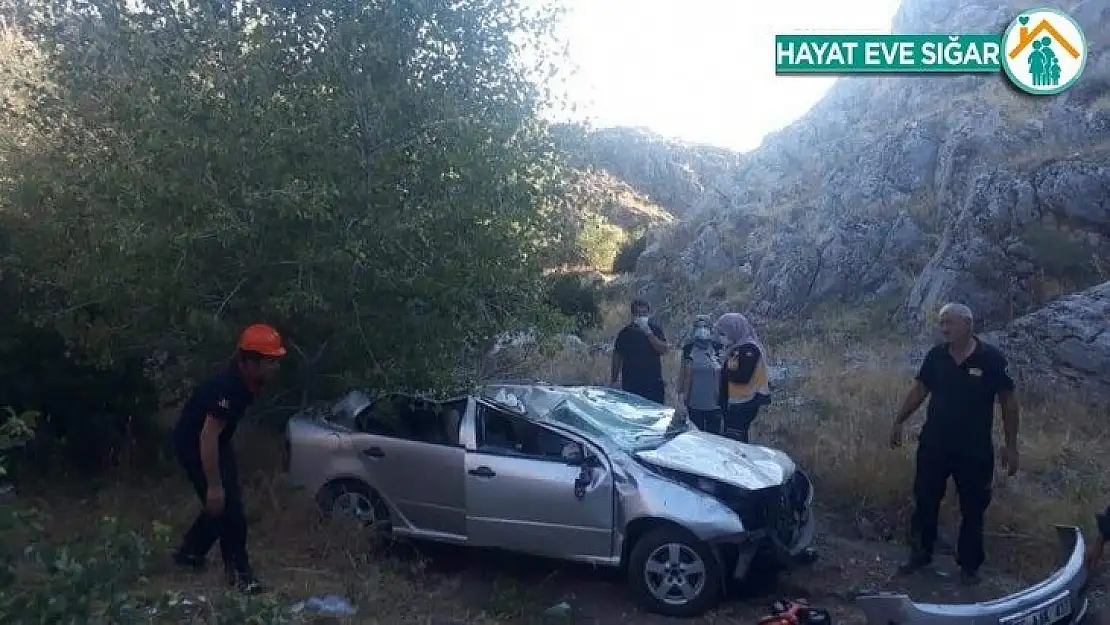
x=229, y=527
x=651, y=391
x=739, y=418
x=707, y=420
x=973, y=473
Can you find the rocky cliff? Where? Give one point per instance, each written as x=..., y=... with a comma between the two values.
x=893, y=193
x=1066, y=343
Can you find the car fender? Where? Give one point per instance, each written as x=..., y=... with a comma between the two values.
x=642, y=495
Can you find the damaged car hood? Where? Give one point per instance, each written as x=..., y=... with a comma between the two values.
x=715, y=457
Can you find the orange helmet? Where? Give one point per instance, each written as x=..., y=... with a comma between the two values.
x=261, y=339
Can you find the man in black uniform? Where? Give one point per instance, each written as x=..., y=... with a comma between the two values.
x=638, y=356
x=202, y=442
x=962, y=378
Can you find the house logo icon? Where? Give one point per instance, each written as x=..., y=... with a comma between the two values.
x=1044, y=51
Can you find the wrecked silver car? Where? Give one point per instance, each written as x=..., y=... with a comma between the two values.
x=1058, y=600
x=587, y=474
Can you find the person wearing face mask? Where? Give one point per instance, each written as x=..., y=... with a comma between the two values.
x=743, y=379
x=699, y=377
x=638, y=356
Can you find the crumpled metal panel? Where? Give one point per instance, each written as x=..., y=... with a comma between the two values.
x=1058, y=600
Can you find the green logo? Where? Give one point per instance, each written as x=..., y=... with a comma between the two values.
x=1043, y=52
x=864, y=54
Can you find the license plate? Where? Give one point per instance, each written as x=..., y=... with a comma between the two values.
x=1048, y=613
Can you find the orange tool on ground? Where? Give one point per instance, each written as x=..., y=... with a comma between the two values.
x=796, y=613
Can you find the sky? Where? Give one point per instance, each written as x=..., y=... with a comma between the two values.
x=701, y=70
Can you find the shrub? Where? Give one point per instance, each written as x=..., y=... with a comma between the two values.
x=629, y=253
x=572, y=297
x=599, y=241
x=93, y=416
x=98, y=578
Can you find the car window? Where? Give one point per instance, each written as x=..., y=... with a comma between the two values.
x=411, y=418
x=632, y=425
x=502, y=433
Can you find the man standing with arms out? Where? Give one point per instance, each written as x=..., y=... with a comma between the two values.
x=202, y=442
x=638, y=356
x=962, y=378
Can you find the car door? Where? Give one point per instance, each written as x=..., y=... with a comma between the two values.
x=532, y=500
x=421, y=476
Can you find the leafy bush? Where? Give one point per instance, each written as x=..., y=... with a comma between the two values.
x=98, y=578
x=1062, y=257
x=600, y=241
x=93, y=415
x=260, y=178
x=581, y=302
x=628, y=254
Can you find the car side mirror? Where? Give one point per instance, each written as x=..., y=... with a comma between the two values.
x=573, y=454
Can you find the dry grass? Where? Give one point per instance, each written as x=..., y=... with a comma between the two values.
x=298, y=554
x=835, y=420
x=838, y=426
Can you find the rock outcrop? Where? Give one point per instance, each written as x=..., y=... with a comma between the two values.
x=899, y=192
x=1067, y=343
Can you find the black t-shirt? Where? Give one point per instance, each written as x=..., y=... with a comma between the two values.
x=224, y=396
x=641, y=364
x=961, y=396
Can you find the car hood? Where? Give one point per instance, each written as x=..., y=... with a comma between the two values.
x=720, y=458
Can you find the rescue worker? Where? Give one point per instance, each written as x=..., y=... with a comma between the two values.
x=699, y=377
x=743, y=384
x=202, y=440
x=962, y=377
x=638, y=356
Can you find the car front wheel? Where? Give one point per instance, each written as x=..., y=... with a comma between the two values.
x=674, y=574
x=354, y=500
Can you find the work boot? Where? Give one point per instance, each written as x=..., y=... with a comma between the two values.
x=245, y=582
x=189, y=561
x=916, y=563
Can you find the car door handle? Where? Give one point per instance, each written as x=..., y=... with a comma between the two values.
x=482, y=472
x=374, y=452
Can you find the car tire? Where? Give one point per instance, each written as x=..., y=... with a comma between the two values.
x=664, y=562
x=357, y=500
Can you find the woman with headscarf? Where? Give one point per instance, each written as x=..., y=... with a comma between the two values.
x=699, y=377
x=743, y=377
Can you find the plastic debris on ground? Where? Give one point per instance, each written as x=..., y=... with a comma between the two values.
x=326, y=605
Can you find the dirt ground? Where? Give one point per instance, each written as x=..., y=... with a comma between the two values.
x=407, y=582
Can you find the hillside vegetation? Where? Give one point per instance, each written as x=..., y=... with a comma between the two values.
x=377, y=181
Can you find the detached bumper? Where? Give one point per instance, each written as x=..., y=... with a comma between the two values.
x=1059, y=600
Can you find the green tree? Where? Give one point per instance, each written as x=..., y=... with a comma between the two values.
x=373, y=176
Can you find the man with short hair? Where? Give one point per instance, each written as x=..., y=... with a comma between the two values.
x=202, y=443
x=638, y=356
x=962, y=377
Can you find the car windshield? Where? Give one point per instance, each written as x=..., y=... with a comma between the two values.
x=629, y=421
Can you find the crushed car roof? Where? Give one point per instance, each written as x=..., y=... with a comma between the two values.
x=536, y=401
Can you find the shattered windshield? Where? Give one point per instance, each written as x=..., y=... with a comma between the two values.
x=632, y=423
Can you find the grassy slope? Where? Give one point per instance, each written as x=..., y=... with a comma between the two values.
x=833, y=420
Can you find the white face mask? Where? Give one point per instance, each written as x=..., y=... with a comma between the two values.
x=641, y=320
x=702, y=334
